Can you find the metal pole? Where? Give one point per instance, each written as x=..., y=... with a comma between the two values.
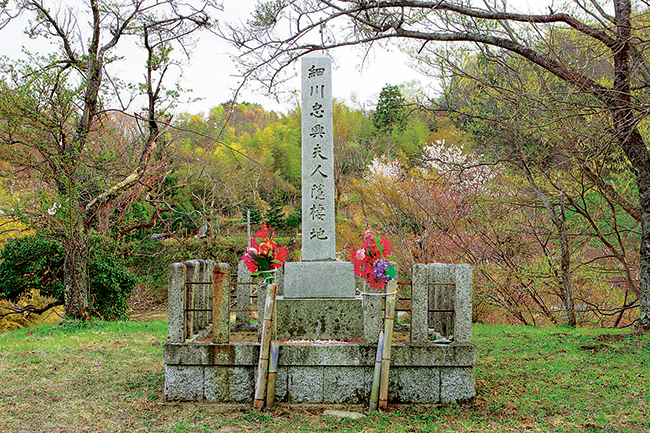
x=248, y=226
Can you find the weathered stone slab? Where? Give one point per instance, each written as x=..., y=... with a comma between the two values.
x=184, y=383
x=176, y=303
x=463, y=319
x=344, y=385
x=373, y=312
x=419, y=385
x=456, y=384
x=419, y=303
x=211, y=354
x=281, y=384
x=306, y=384
x=261, y=300
x=220, y=277
x=242, y=384
x=343, y=414
x=217, y=384
x=320, y=318
x=318, y=211
x=247, y=354
x=318, y=280
x=243, y=293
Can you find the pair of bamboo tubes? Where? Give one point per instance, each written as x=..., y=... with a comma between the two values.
x=267, y=348
x=379, y=392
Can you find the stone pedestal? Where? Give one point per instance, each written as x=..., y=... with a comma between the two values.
x=324, y=319
x=318, y=280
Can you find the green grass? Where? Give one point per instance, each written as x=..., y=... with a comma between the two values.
x=108, y=377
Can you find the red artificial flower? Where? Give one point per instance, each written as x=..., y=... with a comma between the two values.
x=264, y=254
x=364, y=259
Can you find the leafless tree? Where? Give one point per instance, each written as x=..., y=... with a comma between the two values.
x=55, y=107
x=281, y=31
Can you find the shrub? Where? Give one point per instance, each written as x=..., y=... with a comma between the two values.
x=31, y=263
x=35, y=263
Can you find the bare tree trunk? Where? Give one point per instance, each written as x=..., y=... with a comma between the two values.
x=644, y=271
x=559, y=221
x=75, y=274
x=566, y=267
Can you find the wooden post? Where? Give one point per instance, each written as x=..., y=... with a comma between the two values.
x=389, y=316
x=263, y=364
x=273, y=373
x=376, y=378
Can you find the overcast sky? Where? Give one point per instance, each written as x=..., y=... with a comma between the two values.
x=212, y=75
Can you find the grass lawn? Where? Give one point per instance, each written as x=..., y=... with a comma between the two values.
x=108, y=377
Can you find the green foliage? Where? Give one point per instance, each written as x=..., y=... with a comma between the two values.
x=275, y=217
x=111, y=283
x=31, y=263
x=390, y=113
x=35, y=263
x=294, y=219
x=256, y=216
x=266, y=13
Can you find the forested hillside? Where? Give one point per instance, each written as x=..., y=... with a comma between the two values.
x=528, y=162
x=509, y=200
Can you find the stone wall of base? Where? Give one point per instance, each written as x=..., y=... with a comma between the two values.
x=225, y=373
x=342, y=385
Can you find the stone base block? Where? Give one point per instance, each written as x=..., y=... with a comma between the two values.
x=184, y=383
x=337, y=373
x=320, y=318
x=319, y=280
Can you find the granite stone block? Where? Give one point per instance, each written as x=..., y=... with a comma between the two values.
x=318, y=210
x=243, y=293
x=187, y=354
x=419, y=303
x=217, y=384
x=306, y=384
x=242, y=384
x=320, y=318
x=281, y=393
x=344, y=385
x=318, y=280
x=456, y=384
x=419, y=384
x=220, y=303
x=463, y=319
x=184, y=383
x=176, y=303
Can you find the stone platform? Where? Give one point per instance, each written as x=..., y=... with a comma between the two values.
x=206, y=365
x=332, y=373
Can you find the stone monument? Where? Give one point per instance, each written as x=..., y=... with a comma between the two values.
x=327, y=334
x=319, y=297
x=305, y=279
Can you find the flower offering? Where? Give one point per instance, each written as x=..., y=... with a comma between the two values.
x=264, y=254
x=371, y=261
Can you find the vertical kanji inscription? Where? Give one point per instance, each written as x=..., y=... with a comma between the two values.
x=318, y=211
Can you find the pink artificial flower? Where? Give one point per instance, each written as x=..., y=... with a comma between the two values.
x=361, y=254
